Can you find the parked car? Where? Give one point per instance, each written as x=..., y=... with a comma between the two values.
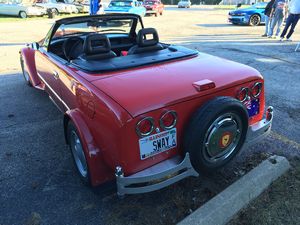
x=57, y=7
x=141, y=112
x=184, y=4
x=17, y=8
x=252, y=16
x=126, y=6
x=154, y=7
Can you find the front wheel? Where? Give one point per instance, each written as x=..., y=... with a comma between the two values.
x=23, y=14
x=216, y=133
x=78, y=154
x=254, y=20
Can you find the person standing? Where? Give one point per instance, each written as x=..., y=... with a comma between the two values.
x=292, y=20
x=268, y=10
x=277, y=15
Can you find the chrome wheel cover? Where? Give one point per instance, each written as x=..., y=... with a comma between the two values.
x=78, y=154
x=222, y=137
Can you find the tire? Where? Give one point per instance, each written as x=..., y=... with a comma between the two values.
x=156, y=14
x=56, y=12
x=216, y=133
x=78, y=154
x=254, y=20
x=25, y=73
x=161, y=13
x=23, y=14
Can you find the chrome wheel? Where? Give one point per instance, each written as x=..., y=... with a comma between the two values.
x=222, y=137
x=78, y=154
x=254, y=20
x=23, y=14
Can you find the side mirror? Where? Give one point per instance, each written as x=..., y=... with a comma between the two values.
x=35, y=45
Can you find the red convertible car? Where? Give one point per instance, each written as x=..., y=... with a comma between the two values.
x=140, y=112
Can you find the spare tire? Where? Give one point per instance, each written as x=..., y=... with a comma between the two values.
x=216, y=133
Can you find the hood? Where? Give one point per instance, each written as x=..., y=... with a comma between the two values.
x=152, y=87
x=246, y=10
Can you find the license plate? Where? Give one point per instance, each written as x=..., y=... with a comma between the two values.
x=252, y=107
x=157, y=143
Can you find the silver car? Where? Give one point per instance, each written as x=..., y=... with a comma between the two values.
x=184, y=4
x=18, y=8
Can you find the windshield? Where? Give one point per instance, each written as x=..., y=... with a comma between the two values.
x=260, y=5
x=121, y=4
x=150, y=3
x=122, y=26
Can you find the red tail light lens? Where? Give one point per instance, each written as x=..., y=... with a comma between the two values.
x=145, y=127
x=242, y=94
x=168, y=120
x=256, y=89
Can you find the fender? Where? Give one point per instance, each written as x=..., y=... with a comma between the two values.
x=29, y=65
x=99, y=172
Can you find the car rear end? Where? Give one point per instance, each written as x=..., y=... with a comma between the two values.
x=151, y=147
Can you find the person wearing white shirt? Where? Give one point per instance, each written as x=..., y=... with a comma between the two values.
x=292, y=20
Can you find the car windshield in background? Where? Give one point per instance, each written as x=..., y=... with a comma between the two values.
x=149, y=3
x=121, y=4
x=95, y=26
x=260, y=5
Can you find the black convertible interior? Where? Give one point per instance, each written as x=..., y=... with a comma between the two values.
x=95, y=52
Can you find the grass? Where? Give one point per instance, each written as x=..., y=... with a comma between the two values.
x=277, y=205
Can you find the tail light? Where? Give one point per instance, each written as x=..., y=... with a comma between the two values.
x=145, y=127
x=168, y=120
x=242, y=94
x=256, y=89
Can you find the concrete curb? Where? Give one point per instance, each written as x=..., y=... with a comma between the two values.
x=220, y=209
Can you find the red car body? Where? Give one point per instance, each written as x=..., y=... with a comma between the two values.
x=154, y=7
x=105, y=107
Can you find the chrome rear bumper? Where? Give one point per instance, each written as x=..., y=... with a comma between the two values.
x=156, y=177
x=261, y=129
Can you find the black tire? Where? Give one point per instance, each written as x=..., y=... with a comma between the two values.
x=161, y=13
x=72, y=134
x=216, y=133
x=156, y=14
x=254, y=20
x=23, y=14
x=25, y=73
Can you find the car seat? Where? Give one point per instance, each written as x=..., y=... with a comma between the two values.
x=146, y=45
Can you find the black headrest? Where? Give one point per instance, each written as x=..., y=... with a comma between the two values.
x=96, y=44
x=143, y=34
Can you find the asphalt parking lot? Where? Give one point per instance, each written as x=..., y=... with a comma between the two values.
x=38, y=183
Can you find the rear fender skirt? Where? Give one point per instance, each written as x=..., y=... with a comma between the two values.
x=99, y=172
x=29, y=65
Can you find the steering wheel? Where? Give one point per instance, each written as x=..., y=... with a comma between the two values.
x=72, y=47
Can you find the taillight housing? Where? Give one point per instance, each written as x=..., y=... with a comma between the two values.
x=168, y=120
x=243, y=94
x=145, y=127
x=256, y=89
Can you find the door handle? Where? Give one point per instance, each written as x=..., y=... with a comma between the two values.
x=55, y=74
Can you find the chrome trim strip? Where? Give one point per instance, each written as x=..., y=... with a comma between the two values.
x=57, y=96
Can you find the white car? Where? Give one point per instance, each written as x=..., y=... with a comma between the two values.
x=184, y=4
x=58, y=7
x=17, y=8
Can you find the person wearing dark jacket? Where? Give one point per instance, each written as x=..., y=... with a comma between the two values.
x=268, y=10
